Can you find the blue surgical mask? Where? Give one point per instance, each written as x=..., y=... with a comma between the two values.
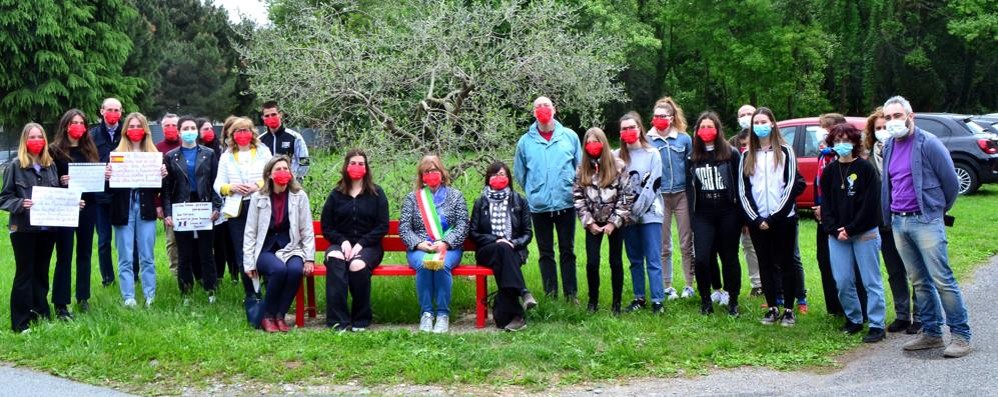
x=189, y=136
x=762, y=130
x=843, y=148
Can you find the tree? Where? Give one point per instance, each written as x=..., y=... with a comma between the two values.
x=60, y=55
x=431, y=76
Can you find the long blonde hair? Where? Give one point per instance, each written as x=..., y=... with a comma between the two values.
x=775, y=141
x=238, y=124
x=606, y=169
x=27, y=159
x=126, y=144
x=678, y=118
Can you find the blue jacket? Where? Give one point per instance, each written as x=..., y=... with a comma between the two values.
x=936, y=185
x=674, y=152
x=546, y=169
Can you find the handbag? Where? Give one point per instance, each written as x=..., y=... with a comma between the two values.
x=254, y=306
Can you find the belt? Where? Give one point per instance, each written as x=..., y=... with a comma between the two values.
x=915, y=213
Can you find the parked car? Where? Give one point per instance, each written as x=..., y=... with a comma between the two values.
x=801, y=134
x=989, y=122
x=973, y=148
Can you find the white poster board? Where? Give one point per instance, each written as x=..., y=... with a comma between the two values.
x=53, y=206
x=191, y=216
x=136, y=170
x=87, y=177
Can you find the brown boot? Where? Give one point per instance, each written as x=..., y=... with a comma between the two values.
x=281, y=325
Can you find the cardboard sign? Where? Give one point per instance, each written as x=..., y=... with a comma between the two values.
x=87, y=177
x=52, y=206
x=136, y=170
x=191, y=216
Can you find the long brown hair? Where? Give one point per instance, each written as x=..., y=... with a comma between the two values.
x=606, y=168
x=367, y=184
x=722, y=150
x=678, y=118
x=775, y=140
x=870, y=137
x=26, y=158
x=60, y=146
x=429, y=161
x=126, y=144
x=268, y=184
x=642, y=139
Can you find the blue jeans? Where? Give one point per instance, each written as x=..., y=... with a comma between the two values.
x=283, y=281
x=141, y=233
x=862, y=250
x=643, y=244
x=434, y=286
x=923, y=249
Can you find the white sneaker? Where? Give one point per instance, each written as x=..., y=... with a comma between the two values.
x=426, y=322
x=131, y=303
x=149, y=302
x=186, y=302
x=715, y=296
x=670, y=293
x=724, y=298
x=442, y=325
x=211, y=299
x=687, y=292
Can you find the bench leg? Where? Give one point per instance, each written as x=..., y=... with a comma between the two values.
x=300, y=307
x=481, y=311
x=310, y=307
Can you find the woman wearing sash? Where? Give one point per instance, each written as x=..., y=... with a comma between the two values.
x=433, y=226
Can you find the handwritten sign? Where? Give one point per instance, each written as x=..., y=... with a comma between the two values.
x=52, y=206
x=87, y=177
x=232, y=205
x=191, y=216
x=136, y=169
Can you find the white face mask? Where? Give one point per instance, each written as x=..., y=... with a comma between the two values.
x=745, y=121
x=882, y=135
x=897, y=128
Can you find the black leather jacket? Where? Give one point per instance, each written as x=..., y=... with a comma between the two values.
x=177, y=188
x=17, y=184
x=480, y=230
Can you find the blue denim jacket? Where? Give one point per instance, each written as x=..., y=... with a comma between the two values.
x=546, y=169
x=674, y=152
x=935, y=178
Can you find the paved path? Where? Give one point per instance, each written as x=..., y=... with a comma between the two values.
x=26, y=383
x=882, y=369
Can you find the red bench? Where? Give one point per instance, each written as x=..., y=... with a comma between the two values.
x=305, y=302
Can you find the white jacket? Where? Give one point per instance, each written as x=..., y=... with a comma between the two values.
x=245, y=169
x=770, y=186
x=300, y=228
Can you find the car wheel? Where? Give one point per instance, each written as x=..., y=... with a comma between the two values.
x=967, y=178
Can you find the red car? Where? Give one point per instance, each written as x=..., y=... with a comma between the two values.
x=801, y=135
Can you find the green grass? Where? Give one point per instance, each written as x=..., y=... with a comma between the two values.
x=170, y=347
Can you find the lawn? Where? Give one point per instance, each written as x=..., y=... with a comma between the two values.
x=171, y=346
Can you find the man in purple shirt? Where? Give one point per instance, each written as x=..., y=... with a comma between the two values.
x=920, y=185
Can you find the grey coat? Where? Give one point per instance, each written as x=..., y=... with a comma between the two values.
x=455, y=211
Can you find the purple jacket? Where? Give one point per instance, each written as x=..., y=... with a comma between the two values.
x=935, y=179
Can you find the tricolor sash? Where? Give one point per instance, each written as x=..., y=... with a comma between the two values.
x=434, y=228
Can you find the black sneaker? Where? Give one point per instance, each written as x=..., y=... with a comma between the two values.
x=757, y=291
x=657, y=308
x=914, y=328
x=898, y=326
x=852, y=328
x=615, y=308
x=62, y=313
x=636, y=305
x=84, y=306
x=787, y=319
x=592, y=307
x=771, y=316
x=706, y=308
x=874, y=335
x=733, y=311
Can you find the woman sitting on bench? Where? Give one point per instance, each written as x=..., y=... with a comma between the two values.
x=500, y=228
x=279, y=242
x=433, y=225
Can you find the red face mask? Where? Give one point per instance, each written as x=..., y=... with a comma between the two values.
x=544, y=114
x=112, y=118
x=282, y=177
x=272, y=121
x=498, y=182
x=660, y=123
x=208, y=136
x=708, y=134
x=356, y=171
x=35, y=145
x=135, y=134
x=629, y=136
x=170, y=132
x=594, y=148
x=432, y=179
x=242, y=138
x=76, y=131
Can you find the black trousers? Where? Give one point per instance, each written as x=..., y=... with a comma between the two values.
x=225, y=256
x=505, y=263
x=237, y=226
x=897, y=277
x=28, y=296
x=545, y=223
x=775, y=249
x=83, y=236
x=828, y=287
x=195, y=253
x=716, y=233
x=594, y=244
x=340, y=281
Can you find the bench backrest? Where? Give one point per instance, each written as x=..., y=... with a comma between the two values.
x=390, y=243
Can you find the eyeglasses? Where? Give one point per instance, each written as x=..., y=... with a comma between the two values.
x=242, y=130
x=662, y=116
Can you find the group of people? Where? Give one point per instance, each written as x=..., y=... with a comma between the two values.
x=885, y=188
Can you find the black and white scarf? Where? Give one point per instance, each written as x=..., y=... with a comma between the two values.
x=499, y=211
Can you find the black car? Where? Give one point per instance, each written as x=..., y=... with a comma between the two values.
x=973, y=148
